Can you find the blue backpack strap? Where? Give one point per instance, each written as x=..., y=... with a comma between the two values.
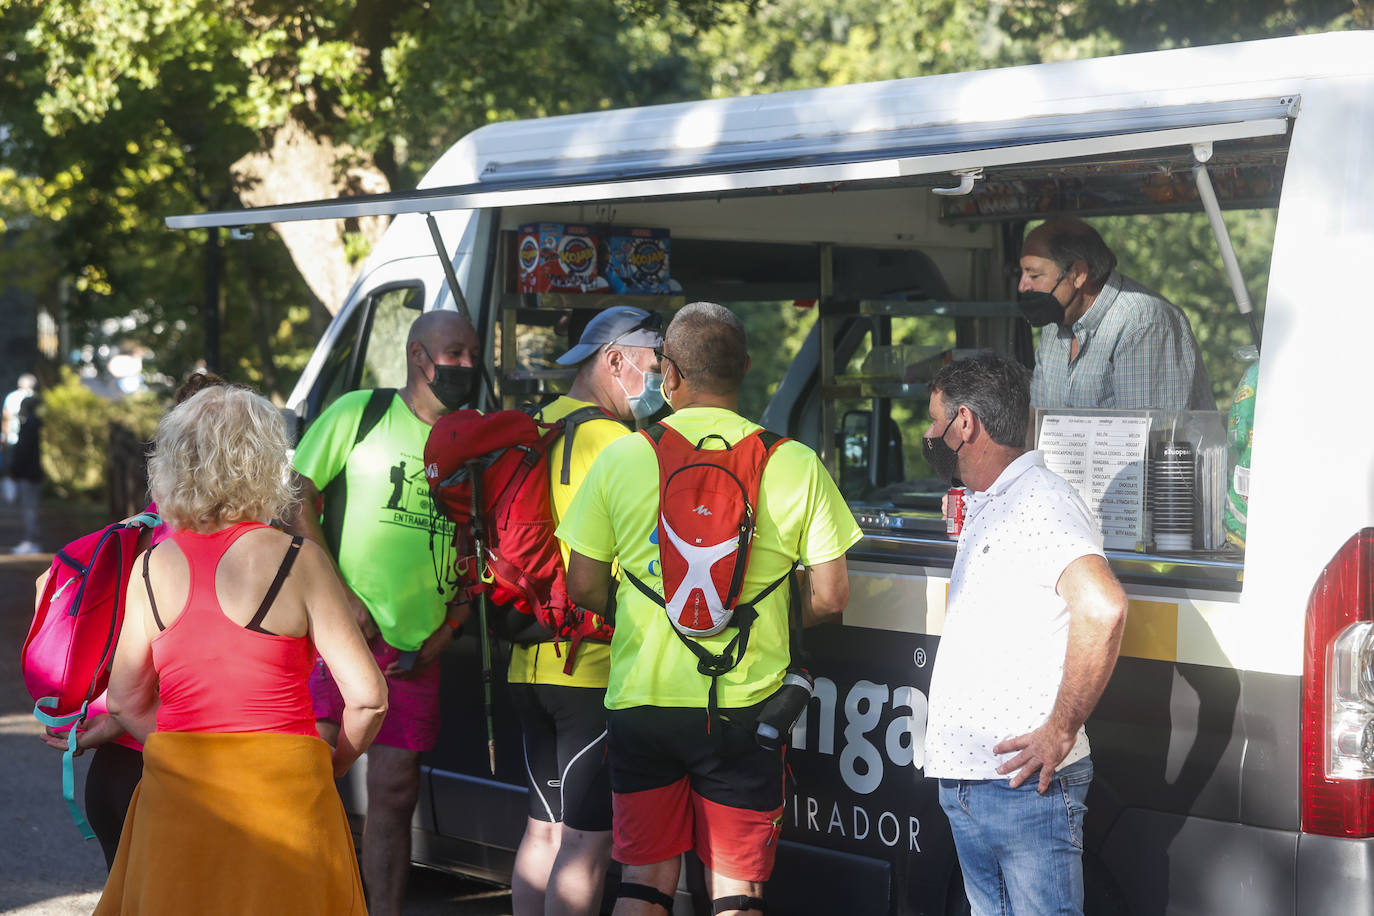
x=68, y=765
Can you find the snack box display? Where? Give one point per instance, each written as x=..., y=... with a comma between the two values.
x=558, y=257
x=636, y=261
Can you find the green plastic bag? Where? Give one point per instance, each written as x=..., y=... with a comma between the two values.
x=1240, y=434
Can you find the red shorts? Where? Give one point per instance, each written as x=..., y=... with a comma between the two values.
x=412, y=715
x=675, y=787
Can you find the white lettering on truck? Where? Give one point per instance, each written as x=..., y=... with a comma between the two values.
x=861, y=763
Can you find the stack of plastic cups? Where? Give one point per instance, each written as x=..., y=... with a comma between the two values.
x=1171, y=496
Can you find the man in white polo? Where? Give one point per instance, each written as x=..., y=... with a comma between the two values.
x=1033, y=623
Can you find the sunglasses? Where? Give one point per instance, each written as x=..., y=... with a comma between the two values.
x=650, y=322
x=658, y=352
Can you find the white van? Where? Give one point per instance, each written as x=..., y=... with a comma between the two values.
x=1246, y=679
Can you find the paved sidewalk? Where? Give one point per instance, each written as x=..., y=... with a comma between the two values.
x=46, y=869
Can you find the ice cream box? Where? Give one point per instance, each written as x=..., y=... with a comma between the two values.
x=558, y=257
x=636, y=261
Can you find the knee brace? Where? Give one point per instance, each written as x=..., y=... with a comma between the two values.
x=738, y=902
x=647, y=894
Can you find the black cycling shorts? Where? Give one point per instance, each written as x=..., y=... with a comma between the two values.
x=564, y=732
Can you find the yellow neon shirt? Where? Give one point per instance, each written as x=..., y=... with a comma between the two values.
x=540, y=663
x=801, y=518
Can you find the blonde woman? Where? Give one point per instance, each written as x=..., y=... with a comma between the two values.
x=237, y=811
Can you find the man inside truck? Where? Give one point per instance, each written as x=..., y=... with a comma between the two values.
x=381, y=547
x=686, y=772
x=561, y=863
x=1107, y=340
x=1033, y=624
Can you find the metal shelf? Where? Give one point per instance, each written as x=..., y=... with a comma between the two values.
x=594, y=301
x=846, y=388
x=919, y=307
x=528, y=375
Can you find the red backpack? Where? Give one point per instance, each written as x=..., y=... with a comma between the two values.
x=67, y=654
x=523, y=564
x=708, y=504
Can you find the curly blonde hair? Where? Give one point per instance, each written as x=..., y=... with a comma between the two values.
x=218, y=458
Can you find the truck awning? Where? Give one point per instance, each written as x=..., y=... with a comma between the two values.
x=744, y=167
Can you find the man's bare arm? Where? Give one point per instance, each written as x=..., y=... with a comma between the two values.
x=824, y=591
x=589, y=582
x=302, y=520
x=1097, y=618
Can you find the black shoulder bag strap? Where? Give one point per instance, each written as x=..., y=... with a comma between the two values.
x=570, y=423
x=336, y=491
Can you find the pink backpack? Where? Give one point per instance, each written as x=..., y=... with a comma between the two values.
x=67, y=654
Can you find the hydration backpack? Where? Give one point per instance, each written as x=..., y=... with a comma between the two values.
x=71, y=643
x=522, y=566
x=708, y=505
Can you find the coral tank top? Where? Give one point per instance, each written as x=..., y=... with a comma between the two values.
x=217, y=676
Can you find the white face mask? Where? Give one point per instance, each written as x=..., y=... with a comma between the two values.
x=650, y=399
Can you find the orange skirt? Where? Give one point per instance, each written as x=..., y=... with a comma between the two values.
x=232, y=824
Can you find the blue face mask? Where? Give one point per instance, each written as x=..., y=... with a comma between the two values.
x=650, y=399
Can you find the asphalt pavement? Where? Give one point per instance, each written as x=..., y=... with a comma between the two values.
x=46, y=868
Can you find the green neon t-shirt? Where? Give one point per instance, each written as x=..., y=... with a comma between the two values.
x=801, y=518
x=384, y=552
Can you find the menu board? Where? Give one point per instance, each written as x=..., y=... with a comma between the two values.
x=1104, y=458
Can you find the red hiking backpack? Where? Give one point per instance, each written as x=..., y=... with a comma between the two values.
x=708, y=505
x=522, y=563
x=67, y=654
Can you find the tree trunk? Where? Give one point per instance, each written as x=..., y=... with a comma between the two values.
x=300, y=166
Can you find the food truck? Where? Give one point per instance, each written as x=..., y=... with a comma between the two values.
x=873, y=232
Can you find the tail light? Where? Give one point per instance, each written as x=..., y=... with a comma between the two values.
x=1338, y=695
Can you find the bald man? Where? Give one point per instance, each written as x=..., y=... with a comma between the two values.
x=1108, y=341
x=365, y=453
x=686, y=772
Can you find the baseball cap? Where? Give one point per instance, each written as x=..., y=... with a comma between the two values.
x=619, y=324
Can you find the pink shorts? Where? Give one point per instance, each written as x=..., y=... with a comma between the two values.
x=412, y=716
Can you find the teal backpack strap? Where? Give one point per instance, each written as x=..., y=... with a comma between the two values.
x=68, y=764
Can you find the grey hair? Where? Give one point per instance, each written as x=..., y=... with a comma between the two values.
x=994, y=388
x=710, y=346
x=1069, y=241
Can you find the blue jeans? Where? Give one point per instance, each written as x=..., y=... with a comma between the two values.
x=1021, y=852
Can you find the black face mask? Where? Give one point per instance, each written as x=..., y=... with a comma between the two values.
x=452, y=385
x=944, y=461
x=1040, y=308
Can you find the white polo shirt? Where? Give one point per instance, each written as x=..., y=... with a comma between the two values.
x=1001, y=656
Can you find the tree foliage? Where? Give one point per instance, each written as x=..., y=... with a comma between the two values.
x=265, y=100
x=116, y=113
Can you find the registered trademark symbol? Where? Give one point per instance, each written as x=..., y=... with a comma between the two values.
x=920, y=658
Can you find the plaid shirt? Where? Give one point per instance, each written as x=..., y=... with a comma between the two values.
x=1135, y=351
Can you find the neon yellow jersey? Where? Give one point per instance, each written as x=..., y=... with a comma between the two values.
x=541, y=663
x=801, y=518
x=384, y=548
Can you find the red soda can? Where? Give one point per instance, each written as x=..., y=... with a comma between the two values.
x=954, y=511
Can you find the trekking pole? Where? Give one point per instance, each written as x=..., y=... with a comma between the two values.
x=479, y=540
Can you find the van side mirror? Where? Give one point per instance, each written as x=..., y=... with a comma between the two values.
x=857, y=454
x=853, y=452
